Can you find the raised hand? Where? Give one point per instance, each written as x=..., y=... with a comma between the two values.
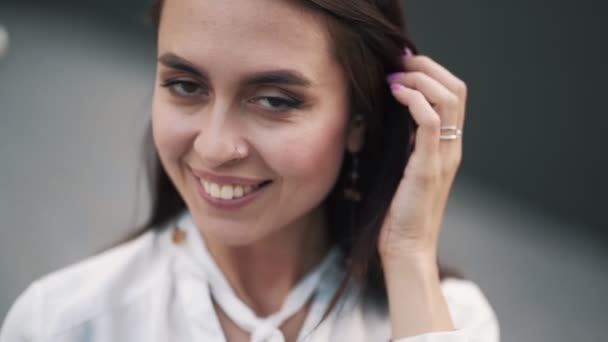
x=409, y=235
x=436, y=99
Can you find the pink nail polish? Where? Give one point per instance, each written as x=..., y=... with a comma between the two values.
x=396, y=86
x=391, y=77
x=408, y=52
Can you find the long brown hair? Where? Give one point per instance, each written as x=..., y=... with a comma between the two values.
x=369, y=38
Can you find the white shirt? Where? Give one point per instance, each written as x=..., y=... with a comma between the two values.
x=154, y=289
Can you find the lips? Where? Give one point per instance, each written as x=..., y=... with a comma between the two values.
x=221, y=190
x=229, y=191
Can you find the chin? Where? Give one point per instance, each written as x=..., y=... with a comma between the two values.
x=228, y=232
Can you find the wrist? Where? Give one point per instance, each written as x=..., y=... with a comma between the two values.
x=425, y=270
x=419, y=261
x=416, y=302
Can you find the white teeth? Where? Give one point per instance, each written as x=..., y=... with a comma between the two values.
x=238, y=191
x=226, y=192
x=214, y=190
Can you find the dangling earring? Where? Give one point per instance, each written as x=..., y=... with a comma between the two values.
x=351, y=192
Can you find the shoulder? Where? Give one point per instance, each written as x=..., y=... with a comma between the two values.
x=80, y=292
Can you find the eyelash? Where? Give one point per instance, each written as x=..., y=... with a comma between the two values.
x=171, y=85
x=285, y=103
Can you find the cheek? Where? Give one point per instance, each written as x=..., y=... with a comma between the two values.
x=308, y=160
x=172, y=134
x=313, y=155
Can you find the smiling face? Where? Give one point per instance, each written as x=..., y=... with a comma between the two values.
x=250, y=115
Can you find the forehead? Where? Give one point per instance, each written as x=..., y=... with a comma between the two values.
x=232, y=35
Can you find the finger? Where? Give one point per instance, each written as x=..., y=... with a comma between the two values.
x=427, y=133
x=435, y=70
x=445, y=101
x=449, y=151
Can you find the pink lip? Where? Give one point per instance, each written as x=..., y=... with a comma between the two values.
x=221, y=203
x=224, y=179
x=235, y=203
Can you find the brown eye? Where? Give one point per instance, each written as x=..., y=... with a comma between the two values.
x=183, y=88
x=274, y=103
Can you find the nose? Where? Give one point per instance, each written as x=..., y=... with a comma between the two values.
x=220, y=140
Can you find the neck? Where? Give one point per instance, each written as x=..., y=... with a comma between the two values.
x=262, y=274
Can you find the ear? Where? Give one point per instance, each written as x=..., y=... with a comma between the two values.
x=355, y=134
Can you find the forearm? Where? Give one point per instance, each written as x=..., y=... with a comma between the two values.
x=416, y=301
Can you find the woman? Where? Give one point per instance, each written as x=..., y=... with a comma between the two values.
x=298, y=194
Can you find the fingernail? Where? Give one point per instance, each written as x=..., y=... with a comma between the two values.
x=396, y=86
x=392, y=76
x=408, y=52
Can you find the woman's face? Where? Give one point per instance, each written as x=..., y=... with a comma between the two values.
x=250, y=79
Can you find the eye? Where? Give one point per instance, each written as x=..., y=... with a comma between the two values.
x=275, y=103
x=183, y=88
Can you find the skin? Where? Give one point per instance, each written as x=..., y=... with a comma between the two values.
x=264, y=248
x=410, y=233
x=267, y=246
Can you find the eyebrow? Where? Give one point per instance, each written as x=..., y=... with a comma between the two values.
x=280, y=76
x=283, y=76
x=174, y=61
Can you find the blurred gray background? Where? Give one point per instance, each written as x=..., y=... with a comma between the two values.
x=526, y=219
